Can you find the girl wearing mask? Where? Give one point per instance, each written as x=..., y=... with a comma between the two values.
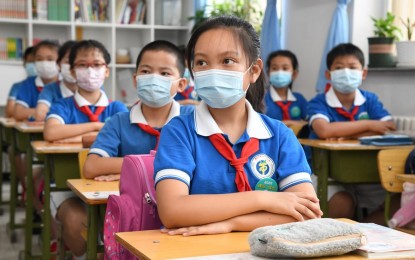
x=281, y=103
x=226, y=167
x=58, y=89
x=72, y=117
x=46, y=54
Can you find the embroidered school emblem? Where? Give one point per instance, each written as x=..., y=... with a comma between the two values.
x=295, y=111
x=363, y=116
x=262, y=166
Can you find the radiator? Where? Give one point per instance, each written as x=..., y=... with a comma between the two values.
x=404, y=123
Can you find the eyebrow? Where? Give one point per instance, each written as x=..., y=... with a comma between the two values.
x=225, y=53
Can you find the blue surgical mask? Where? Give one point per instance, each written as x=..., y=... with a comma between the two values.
x=346, y=80
x=154, y=90
x=30, y=68
x=280, y=78
x=186, y=74
x=219, y=88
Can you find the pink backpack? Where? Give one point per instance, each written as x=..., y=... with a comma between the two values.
x=135, y=209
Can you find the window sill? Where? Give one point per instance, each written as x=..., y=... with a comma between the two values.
x=412, y=68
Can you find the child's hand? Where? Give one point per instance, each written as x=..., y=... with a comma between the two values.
x=299, y=205
x=208, y=229
x=98, y=125
x=382, y=127
x=76, y=139
x=112, y=177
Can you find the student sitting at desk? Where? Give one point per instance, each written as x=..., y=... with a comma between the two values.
x=46, y=54
x=345, y=111
x=158, y=69
x=71, y=118
x=212, y=166
x=58, y=89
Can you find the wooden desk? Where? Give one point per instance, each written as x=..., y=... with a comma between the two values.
x=406, y=177
x=61, y=163
x=83, y=186
x=152, y=244
x=346, y=162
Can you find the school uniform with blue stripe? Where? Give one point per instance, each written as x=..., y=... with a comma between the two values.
x=121, y=135
x=297, y=110
x=29, y=92
x=67, y=110
x=186, y=154
x=53, y=92
x=324, y=106
x=14, y=90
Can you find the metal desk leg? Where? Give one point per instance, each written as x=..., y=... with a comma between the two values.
x=29, y=201
x=13, y=190
x=92, y=236
x=46, y=214
x=321, y=159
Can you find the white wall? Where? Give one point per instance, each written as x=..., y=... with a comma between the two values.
x=9, y=74
x=307, y=25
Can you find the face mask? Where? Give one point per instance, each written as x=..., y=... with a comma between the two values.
x=220, y=88
x=346, y=80
x=280, y=78
x=66, y=73
x=30, y=68
x=154, y=90
x=90, y=79
x=186, y=74
x=47, y=69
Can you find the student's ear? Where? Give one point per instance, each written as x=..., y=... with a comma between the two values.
x=182, y=85
x=107, y=72
x=364, y=75
x=295, y=74
x=256, y=70
x=327, y=74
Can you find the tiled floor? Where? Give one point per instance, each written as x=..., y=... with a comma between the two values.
x=10, y=250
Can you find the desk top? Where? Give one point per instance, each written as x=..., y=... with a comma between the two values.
x=44, y=147
x=7, y=122
x=152, y=244
x=93, y=192
x=346, y=145
x=406, y=177
x=26, y=127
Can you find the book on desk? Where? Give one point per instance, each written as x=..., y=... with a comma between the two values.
x=387, y=140
x=386, y=243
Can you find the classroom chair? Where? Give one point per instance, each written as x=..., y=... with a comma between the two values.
x=390, y=163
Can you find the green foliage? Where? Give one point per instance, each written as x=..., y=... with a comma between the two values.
x=385, y=27
x=245, y=9
x=409, y=26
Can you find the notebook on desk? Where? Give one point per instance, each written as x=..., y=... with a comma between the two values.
x=387, y=140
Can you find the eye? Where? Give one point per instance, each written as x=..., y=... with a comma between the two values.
x=144, y=71
x=201, y=63
x=228, y=61
x=165, y=74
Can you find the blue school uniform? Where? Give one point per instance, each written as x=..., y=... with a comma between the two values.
x=297, y=109
x=188, y=93
x=29, y=92
x=324, y=106
x=67, y=110
x=121, y=135
x=186, y=154
x=53, y=92
x=14, y=90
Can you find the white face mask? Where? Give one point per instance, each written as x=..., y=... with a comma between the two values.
x=66, y=73
x=47, y=69
x=90, y=79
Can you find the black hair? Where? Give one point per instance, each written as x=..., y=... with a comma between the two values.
x=248, y=38
x=88, y=44
x=67, y=46
x=27, y=52
x=283, y=53
x=345, y=49
x=46, y=43
x=166, y=46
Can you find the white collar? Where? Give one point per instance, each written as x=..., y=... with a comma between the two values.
x=136, y=114
x=205, y=125
x=333, y=101
x=81, y=101
x=275, y=97
x=39, y=82
x=65, y=91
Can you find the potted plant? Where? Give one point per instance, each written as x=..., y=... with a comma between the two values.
x=382, y=47
x=406, y=49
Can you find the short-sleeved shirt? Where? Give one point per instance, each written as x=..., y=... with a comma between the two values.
x=186, y=154
x=14, y=90
x=297, y=109
x=53, y=92
x=121, y=135
x=66, y=110
x=29, y=92
x=324, y=106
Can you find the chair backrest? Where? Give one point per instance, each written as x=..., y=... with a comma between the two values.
x=390, y=163
x=82, y=158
